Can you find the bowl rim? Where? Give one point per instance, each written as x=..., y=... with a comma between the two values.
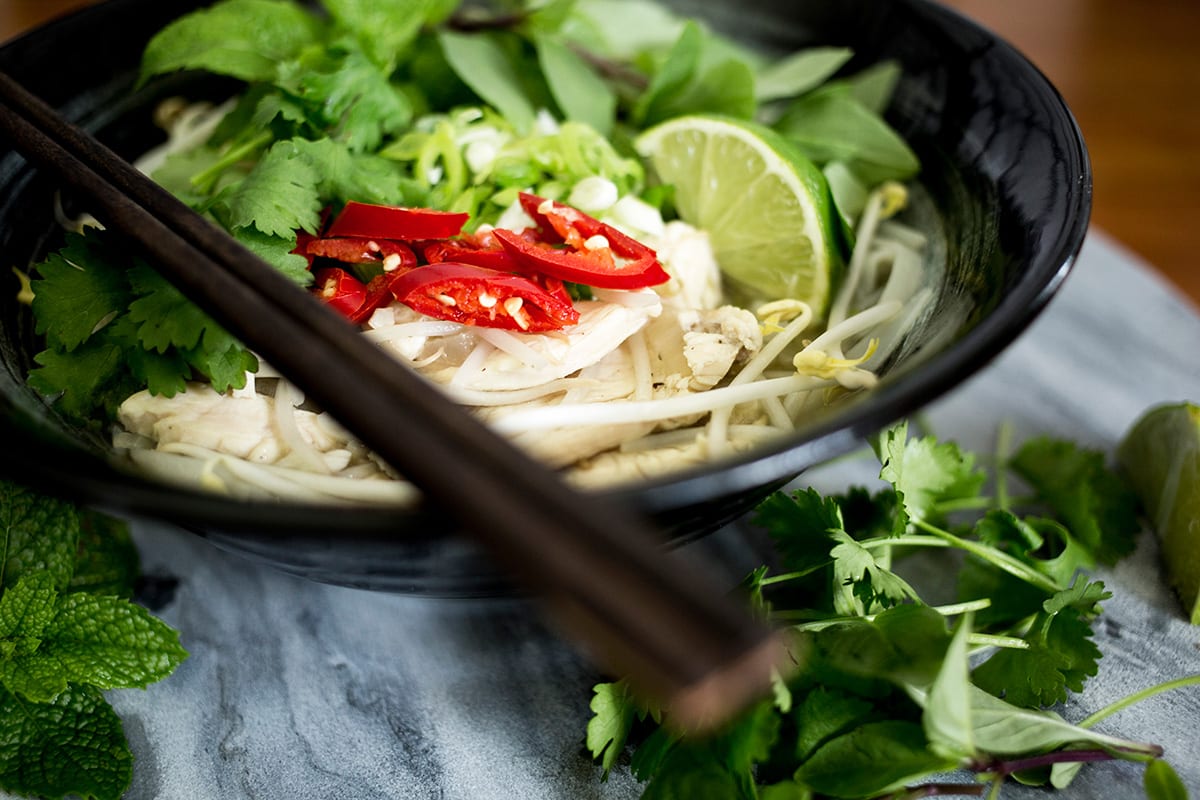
x=92, y=480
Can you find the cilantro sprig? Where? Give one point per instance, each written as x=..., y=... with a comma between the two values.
x=68, y=632
x=892, y=693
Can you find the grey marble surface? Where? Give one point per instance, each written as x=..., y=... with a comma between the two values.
x=300, y=690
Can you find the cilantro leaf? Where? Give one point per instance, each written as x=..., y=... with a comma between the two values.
x=1042, y=543
x=866, y=586
x=278, y=197
x=244, y=39
x=799, y=524
x=358, y=176
x=37, y=534
x=387, y=28
x=868, y=515
x=89, y=377
x=75, y=292
x=924, y=473
x=614, y=712
x=348, y=97
x=1097, y=507
x=720, y=767
x=168, y=323
x=73, y=745
x=1061, y=654
x=276, y=251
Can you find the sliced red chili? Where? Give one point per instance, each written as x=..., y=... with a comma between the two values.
x=349, y=250
x=475, y=295
x=597, y=266
x=462, y=251
x=340, y=290
x=595, y=253
x=369, y=221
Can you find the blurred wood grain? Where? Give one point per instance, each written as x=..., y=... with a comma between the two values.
x=1129, y=71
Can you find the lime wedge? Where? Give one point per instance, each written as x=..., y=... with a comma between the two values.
x=1161, y=454
x=767, y=209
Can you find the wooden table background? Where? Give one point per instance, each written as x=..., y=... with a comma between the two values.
x=1129, y=71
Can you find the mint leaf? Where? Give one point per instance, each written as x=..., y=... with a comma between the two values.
x=73, y=745
x=26, y=610
x=108, y=561
x=1097, y=507
x=38, y=534
x=100, y=640
x=244, y=39
x=75, y=291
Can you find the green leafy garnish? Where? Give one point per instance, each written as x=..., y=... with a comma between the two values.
x=421, y=103
x=890, y=691
x=66, y=634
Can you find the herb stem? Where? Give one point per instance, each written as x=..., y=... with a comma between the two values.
x=1137, y=697
x=965, y=504
x=983, y=640
x=1002, y=560
x=204, y=178
x=1004, y=436
x=937, y=790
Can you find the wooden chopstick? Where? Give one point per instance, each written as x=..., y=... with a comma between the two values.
x=647, y=612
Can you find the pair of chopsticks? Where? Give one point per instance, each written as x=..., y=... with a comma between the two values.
x=646, y=612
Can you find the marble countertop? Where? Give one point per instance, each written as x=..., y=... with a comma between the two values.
x=299, y=690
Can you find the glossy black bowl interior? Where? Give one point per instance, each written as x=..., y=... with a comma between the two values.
x=1003, y=162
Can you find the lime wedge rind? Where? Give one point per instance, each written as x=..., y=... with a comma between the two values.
x=1161, y=457
x=766, y=208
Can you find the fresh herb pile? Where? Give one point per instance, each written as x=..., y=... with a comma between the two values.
x=374, y=102
x=891, y=693
x=68, y=632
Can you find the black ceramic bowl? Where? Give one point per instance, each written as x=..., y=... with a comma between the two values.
x=1003, y=162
